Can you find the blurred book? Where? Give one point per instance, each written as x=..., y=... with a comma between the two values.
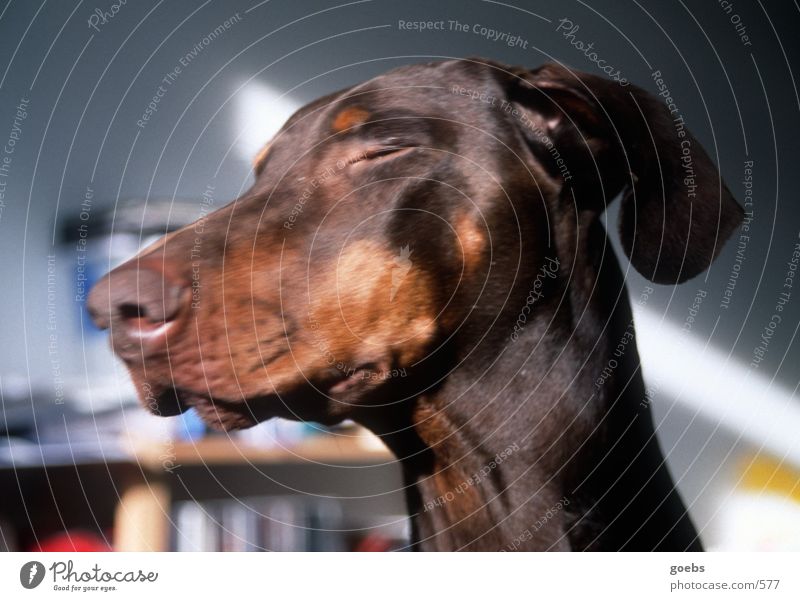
x=279, y=523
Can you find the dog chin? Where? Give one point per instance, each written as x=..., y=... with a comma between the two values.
x=165, y=403
x=219, y=415
x=326, y=402
x=227, y=415
x=222, y=416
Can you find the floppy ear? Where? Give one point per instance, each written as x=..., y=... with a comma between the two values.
x=601, y=137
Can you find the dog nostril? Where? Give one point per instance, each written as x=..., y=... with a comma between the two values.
x=139, y=299
x=143, y=303
x=138, y=320
x=130, y=311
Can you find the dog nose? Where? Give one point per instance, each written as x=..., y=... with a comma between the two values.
x=140, y=302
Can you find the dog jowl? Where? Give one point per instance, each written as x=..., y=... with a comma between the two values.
x=397, y=228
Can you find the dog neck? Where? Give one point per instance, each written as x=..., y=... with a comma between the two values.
x=474, y=454
x=512, y=450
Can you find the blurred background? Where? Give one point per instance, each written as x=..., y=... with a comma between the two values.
x=120, y=121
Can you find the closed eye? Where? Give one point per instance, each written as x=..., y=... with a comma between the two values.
x=380, y=152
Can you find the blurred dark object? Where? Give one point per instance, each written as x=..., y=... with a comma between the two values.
x=36, y=430
x=48, y=500
x=8, y=536
x=26, y=411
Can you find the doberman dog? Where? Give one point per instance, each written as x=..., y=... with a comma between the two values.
x=423, y=253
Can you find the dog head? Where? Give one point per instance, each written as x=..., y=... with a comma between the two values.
x=386, y=221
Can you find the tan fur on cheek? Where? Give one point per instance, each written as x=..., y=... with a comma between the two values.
x=473, y=242
x=367, y=312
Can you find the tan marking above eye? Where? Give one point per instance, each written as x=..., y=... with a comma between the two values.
x=349, y=117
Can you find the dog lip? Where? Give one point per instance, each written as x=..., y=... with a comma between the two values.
x=192, y=399
x=167, y=404
x=218, y=413
x=146, y=329
x=228, y=414
x=139, y=344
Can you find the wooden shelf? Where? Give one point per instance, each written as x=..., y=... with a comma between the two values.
x=136, y=471
x=328, y=449
x=147, y=502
